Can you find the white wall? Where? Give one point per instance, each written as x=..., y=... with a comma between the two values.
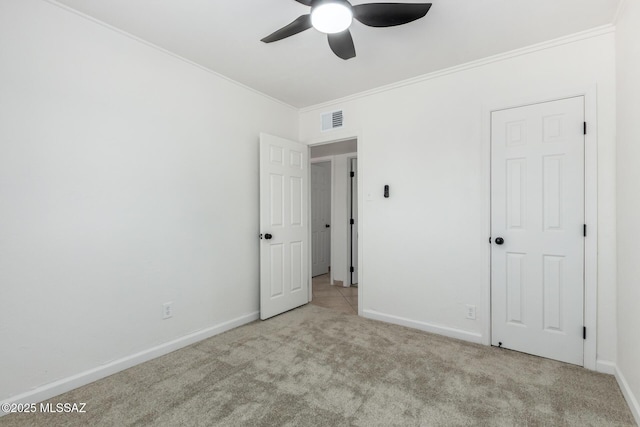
x=128, y=178
x=628, y=144
x=425, y=249
x=118, y=165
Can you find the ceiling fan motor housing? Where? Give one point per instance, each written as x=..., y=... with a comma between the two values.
x=331, y=16
x=335, y=21
x=316, y=3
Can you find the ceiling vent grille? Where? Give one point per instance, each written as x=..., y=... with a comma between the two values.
x=332, y=120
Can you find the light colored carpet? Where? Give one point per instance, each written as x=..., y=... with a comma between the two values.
x=316, y=367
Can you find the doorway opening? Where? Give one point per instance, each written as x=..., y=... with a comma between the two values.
x=321, y=189
x=334, y=225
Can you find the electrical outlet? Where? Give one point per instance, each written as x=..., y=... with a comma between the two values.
x=167, y=310
x=471, y=312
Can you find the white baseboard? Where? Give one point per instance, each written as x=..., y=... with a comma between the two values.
x=632, y=401
x=83, y=378
x=605, y=367
x=424, y=326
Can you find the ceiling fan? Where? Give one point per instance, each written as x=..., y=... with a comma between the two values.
x=334, y=17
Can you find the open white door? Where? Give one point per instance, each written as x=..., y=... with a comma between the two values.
x=320, y=218
x=284, y=244
x=537, y=226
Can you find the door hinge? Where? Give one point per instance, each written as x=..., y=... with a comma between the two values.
x=584, y=129
x=352, y=269
x=584, y=230
x=489, y=239
x=352, y=174
x=352, y=221
x=584, y=332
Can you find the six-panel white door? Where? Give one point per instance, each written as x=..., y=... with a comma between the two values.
x=284, y=200
x=320, y=217
x=537, y=208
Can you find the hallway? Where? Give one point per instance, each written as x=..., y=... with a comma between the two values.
x=344, y=300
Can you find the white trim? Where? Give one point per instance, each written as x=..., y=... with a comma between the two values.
x=321, y=159
x=591, y=209
x=608, y=367
x=591, y=219
x=165, y=51
x=605, y=367
x=340, y=136
x=83, y=378
x=572, y=38
x=424, y=326
x=353, y=156
x=360, y=221
x=486, y=207
x=309, y=231
x=632, y=401
x=621, y=7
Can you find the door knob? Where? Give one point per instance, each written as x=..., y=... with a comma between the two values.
x=327, y=226
x=499, y=240
x=268, y=236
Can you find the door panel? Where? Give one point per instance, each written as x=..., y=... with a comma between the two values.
x=276, y=218
x=553, y=284
x=537, y=205
x=283, y=216
x=515, y=279
x=277, y=269
x=552, y=187
x=516, y=193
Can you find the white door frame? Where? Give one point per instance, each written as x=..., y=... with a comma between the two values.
x=332, y=201
x=329, y=140
x=349, y=264
x=591, y=209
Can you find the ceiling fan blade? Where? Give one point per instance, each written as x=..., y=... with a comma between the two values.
x=299, y=25
x=389, y=14
x=305, y=2
x=342, y=44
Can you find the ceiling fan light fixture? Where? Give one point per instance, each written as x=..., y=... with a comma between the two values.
x=334, y=17
x=331, y=17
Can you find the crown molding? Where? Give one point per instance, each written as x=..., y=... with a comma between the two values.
x=167, y=52
x=621, y=6
x=572, y=38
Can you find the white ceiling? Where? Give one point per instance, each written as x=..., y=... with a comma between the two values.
x=224, y=36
